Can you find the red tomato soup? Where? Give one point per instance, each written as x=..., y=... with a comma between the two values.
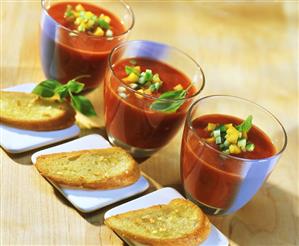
x=66, y=56
x=130, y=119
x=214, y=179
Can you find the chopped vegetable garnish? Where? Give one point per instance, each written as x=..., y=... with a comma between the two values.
x=178, y=87
x=147, y=82
x=86, y=21
x=229, y=138
x=142, y=81
x=130, y=69
x=131, y=78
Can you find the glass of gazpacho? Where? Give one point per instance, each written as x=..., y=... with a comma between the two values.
x=148, y=89
x=77, y=37
x=229, y=147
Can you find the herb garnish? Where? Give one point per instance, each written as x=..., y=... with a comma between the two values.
x=86, y=21
x=52, y=88
x=170, y=106
x=245, y=125
x=229, y=138
x=147, y=82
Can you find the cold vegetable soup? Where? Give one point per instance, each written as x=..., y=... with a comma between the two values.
x=76, y=39
x=220, y=166
x=146, y=102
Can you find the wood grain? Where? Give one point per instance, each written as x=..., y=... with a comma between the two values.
x=246, y=49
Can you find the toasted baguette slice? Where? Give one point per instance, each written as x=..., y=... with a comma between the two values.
x=178, y=223
x=94, y=169
x=31, y=112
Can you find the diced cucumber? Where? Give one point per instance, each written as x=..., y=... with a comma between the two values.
x=218, y=140
x=141, y=79
x=242, y=143
x=226, y=151
x=216, y=133
x=250, y=147
x=226, y=143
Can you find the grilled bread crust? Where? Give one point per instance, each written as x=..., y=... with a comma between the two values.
x=31, y=112
x=92, y=169
x=178, y=223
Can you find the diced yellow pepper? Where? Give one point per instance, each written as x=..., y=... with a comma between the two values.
x=234, y=149
x=69, y=7
x=232, y=135
x=211, y=126
x=81, y=28
x=79, y=7
x=99, y=32
x=78, y=21
x=89, y=24
x=106, y=18
x=89, y=14
x=148, y=91
x=137, y=68
x=76, y=14
x=156, y=78
x=178, y=87
x=132, y=78
x=228, y=125
x=138, y=95
x=210, y=140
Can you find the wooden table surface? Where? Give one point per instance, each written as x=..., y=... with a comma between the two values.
x=245, y=49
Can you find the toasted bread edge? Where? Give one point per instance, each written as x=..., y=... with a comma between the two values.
x=125, y=179
x=199, y=234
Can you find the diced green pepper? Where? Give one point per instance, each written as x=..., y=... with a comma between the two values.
x=250, y=147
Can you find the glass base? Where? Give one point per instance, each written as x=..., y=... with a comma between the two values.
x=135, y=151
x=207, y=209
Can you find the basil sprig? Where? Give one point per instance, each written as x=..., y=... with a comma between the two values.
x=170, y=101
x=245, y=125
x=169, y=106
x=50, y=88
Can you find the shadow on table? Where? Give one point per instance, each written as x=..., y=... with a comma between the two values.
x=269, y=217
x=97, y=217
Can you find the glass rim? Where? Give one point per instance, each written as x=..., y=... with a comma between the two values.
x=150, y=96
x=256, y=161
x=127, y=6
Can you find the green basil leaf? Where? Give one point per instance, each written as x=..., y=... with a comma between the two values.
x=103, y=24
x=179, y=94
x=130, y=69
x=83, y=105
x=245, y=125
x=75, y=86
x=169, y=106
x=166, y=106
x=46, y=88
x=62, y=91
